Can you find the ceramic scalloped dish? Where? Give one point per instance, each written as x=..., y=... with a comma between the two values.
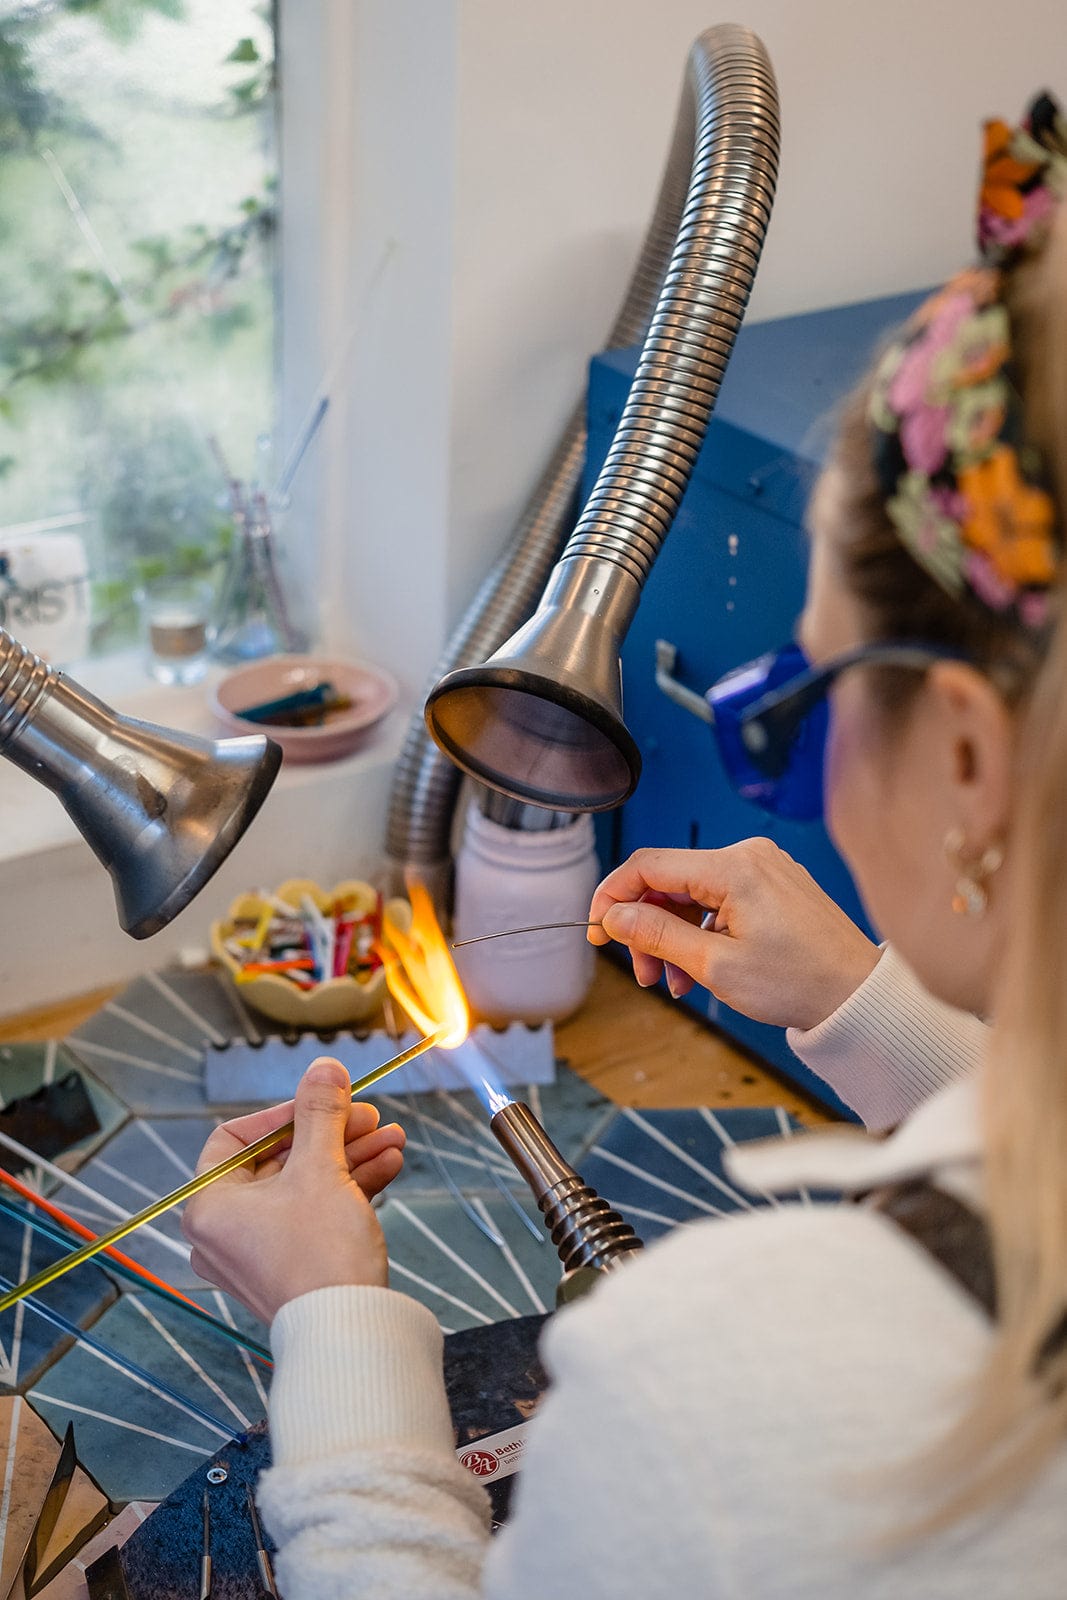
x=372, y=692
x=333, y=1003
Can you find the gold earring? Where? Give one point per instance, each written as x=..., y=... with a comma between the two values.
x=971, y=896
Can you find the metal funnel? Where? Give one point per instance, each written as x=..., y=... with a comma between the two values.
x=541, y=720
x=161, y=810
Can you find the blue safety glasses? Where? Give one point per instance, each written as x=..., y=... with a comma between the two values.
x=771, y=719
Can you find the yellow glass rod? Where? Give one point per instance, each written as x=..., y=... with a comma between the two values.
x=253, y=1152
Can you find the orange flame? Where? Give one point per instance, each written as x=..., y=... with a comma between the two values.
x=421, y=975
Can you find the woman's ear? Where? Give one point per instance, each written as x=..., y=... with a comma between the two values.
x=976, y=734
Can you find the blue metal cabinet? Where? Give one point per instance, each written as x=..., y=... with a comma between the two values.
x=727, y=586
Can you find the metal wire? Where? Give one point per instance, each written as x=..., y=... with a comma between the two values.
x=509, y=933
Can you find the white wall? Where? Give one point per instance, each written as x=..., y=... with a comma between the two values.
x=564, y=109
x=378, y=141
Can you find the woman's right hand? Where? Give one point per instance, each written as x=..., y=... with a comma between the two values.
x=748, y=922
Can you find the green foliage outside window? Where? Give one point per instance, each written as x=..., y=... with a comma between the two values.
x=137, y=217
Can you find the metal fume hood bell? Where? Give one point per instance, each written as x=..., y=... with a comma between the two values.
x=161, y=810
x=541, y=720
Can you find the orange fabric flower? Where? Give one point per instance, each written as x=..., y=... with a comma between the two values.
x=1008, y=519
x=1002, y=174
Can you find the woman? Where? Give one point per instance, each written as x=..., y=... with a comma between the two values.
x=801, y=1402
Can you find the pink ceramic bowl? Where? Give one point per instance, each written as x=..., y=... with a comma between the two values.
x=373, y=694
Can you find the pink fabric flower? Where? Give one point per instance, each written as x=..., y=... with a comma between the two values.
x=908, y=387
x=923, y=438
x=987, y=582
x=948, y=502
x=1038, y=205
x=963, y=484
x=1035, y=609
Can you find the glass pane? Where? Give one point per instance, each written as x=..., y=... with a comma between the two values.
x=137, y=213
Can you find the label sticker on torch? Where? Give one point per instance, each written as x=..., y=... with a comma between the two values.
x=498, y=1456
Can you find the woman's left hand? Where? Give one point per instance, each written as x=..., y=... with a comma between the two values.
x=301, y=1220
x=746, y=921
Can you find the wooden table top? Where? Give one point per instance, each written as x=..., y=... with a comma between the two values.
x=635, y=1045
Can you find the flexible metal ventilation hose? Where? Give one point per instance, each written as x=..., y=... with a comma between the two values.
x=689, y=291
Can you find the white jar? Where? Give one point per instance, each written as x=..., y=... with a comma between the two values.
x=507, y=878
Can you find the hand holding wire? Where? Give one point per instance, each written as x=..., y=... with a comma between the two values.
x=747, y=922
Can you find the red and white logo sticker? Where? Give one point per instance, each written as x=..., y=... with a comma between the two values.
x=496, y=1457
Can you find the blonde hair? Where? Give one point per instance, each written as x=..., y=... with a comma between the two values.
x=1016, y=1413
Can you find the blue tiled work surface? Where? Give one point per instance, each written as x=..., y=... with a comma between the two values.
x=28, y=1342
x=136, y=1443
x=662, y=1169
x=146, y=1158
x=147, y=1044
x=25, y=1068
x=463, y=1232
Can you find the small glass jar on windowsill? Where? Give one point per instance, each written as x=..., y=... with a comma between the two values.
x=175, y=617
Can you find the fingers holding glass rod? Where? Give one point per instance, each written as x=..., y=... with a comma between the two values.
x=259, y=1148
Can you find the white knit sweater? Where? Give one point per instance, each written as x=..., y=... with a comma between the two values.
x=730, y=1418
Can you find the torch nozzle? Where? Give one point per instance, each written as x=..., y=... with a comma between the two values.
x=585, y=1230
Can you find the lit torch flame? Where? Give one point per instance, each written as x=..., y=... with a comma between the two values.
x=421, y=975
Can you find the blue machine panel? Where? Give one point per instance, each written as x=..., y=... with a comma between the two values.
x=727, y=586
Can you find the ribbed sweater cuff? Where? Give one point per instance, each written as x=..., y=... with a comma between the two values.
x=355, y=1366
x=890, y=1045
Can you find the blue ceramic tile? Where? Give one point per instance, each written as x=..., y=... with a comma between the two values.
x=662, y=1168
x=29, y=1343
x=148, y=1043
x=137, y=1444
x=208, y=997
x=145, y=1160
x=449, y=1129
x=452, y=1127
x=232, y=1313
x=438, y=1255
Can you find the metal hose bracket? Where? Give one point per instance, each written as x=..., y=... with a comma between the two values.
x=25, y=680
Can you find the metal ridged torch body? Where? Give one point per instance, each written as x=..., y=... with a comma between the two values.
x=585, y=1230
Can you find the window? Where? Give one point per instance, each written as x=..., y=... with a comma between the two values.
x=137, y=220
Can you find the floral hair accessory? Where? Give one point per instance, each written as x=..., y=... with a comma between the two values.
x=964, y=489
